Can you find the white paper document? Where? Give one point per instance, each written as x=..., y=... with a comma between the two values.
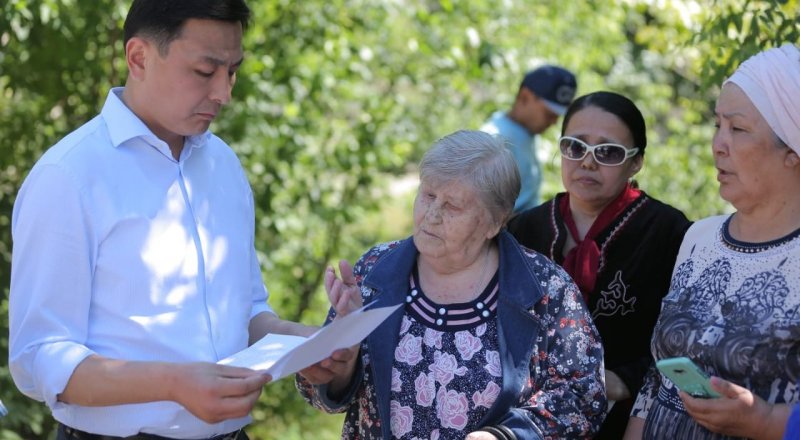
x=281, y=355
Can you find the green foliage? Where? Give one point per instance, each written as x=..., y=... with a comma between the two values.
x=338, y=99
x=734, y=30
x=664, y=74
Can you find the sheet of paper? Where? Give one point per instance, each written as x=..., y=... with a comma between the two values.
x=263, y=354
x=281, y=355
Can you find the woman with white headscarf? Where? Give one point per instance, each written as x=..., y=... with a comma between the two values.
x=734, y=301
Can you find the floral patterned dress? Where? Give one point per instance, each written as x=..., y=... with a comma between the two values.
x=524, y=355
x=446, y=373
x=734, y=309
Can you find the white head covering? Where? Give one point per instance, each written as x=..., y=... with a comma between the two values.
x=771, y=79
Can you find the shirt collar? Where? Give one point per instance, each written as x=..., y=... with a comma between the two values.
x=123, y=125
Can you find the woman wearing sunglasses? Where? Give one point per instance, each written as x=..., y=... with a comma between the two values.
x=618, y=243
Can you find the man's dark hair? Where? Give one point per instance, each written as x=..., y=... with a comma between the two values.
x=162, y=20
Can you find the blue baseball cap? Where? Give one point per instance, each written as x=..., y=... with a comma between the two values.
x=553, y=84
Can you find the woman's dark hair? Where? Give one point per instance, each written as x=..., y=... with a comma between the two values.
x=617, y=105
x=162, y=20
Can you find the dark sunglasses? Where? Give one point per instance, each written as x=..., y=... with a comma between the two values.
x=604, y=154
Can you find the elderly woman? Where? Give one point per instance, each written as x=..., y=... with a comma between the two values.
x=735, y=293
x=493, y=341
x=618, y=243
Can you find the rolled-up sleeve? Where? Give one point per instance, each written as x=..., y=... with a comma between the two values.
x=50, y=283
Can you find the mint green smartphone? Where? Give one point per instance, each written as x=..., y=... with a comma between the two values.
x=687, y=377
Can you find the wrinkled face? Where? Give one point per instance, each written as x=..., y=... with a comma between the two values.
x=746, y=154
x=585, y=180
x=450, y=221
x=183, y=90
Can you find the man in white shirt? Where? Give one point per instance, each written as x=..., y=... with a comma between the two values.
x=134, y=268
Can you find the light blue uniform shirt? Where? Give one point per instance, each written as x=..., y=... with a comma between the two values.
x=122, y=251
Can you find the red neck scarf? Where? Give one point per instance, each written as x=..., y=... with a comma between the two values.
x=582, y=261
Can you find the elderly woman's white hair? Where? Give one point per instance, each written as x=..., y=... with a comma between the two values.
x=480, y=160
x=771, y=79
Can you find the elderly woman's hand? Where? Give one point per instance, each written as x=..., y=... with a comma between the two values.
x=343, y=293
x=337, y=369
x=738, y=412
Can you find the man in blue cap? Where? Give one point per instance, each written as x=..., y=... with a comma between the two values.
x=543, y=96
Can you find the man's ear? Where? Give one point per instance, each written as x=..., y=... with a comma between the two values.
x=136, y=53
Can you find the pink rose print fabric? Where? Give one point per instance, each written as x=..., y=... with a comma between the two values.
x=395, y=380
x=445, y=367
x=448, y=375
x=467, y=344
x=451, y=408
x=426, y=389
x=402, y=419
x=409, y=350
x=486, y=397
x=433, y=338
x=493, y=363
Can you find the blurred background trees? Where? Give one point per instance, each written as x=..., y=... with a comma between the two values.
x=338, y=99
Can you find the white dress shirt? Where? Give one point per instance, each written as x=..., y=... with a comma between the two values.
x=122, y=251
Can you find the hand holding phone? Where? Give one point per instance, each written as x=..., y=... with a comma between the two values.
x=687, y=376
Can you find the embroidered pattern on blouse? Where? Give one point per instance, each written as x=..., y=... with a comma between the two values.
x=615, y=300
x=556, y=231
x=633, y=209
